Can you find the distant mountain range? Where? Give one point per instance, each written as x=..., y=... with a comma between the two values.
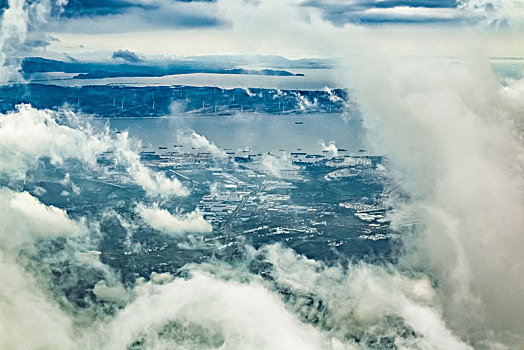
x=142, y=68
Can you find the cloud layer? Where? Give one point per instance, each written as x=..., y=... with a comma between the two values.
x=167, y=223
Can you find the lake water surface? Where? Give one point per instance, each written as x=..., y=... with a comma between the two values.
x=259, y=132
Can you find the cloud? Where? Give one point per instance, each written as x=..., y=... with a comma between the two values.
x=28, y=135
x=304, y=104
x=450, y=131
x=454, y=140
x=27, y=309
x=277, y=165
x=116, y=294
x=24, y=219
x=215, y=313
x=25, y=303
x=126, y=55
x=331, y=95
x=13, y=31
x=134, y=16
x=497, y=14
x=330, y=147
x=167, y=223
x=199, y=142
x=154, y=183
x=21, y=30
x=393, y=12
x=360, y=297
x=79, y=8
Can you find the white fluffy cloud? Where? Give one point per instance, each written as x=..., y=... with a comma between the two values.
x=167, y=223
x=223, y=314
x=451, y=133
x=276, y=165
x=200, y=142
x=24, y=218
x=27, y=135
x=27, y=309
x=331, y=147
x=361, y=296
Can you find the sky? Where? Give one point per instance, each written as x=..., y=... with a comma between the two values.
x=185, y=28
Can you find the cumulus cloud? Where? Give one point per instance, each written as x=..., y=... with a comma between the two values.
x=134, y=16
x=27, y=309
x=497, y=14
x=154, y=183
x=167, y=223
x=116, y=294
x=452, y=135
x=13, y=25
x=24, y=218
x=28, y=135
x=200, y=142
x=126, y=55
x=20, y=31
x=277, y=165
x=218, y=313
x=227, y=307
x=362, y=296
x=451, y=131
x=305, y=104
x=331, y=95
x=331, y=147
x=25, y=304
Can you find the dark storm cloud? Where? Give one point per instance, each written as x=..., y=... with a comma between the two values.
x=97, y=16
x=78, y=8
x=126, y=55
x=156, y=13
x=114, y=16
x=110, y=16
x=389, y=11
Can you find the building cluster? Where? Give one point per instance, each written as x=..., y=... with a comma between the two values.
x=243, y=199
